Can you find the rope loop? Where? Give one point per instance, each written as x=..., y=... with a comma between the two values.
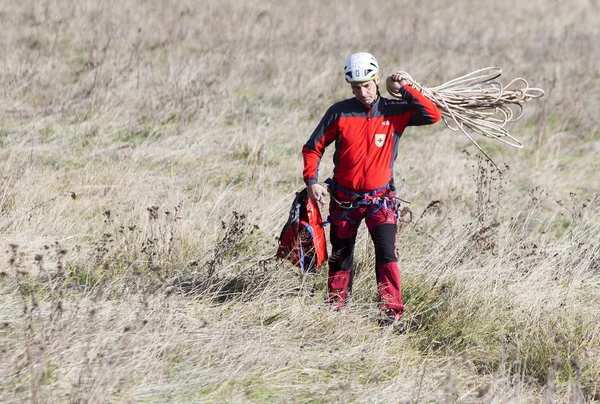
x=476, y=104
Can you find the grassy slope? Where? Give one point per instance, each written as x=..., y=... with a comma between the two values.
x=148, y=155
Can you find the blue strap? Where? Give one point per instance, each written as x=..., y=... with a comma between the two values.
x=301, y=261
x=307, y=261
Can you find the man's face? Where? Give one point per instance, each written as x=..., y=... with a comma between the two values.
x=366, y=92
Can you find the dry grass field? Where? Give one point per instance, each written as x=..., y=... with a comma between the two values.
x=149, y=151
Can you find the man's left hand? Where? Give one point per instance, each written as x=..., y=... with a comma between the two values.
x=395, y=81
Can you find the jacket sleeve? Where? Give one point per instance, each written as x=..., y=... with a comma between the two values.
x=325, y=133
x=424, y=111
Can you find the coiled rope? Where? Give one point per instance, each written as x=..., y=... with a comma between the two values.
x=477, y=104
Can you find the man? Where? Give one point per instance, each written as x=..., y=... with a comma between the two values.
x=366, y=130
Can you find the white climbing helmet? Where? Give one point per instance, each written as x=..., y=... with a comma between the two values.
x=360, y=67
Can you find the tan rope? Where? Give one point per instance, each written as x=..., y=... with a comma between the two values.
x=477, y=104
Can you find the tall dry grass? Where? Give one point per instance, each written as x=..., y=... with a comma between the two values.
x=148, y=155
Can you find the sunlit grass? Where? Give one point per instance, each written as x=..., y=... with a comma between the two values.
x=149, y=152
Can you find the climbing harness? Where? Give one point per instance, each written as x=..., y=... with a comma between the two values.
x=387, y=201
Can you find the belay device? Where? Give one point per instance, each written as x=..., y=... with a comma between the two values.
x=302, y=240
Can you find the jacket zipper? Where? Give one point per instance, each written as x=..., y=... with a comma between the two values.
x=369, y=141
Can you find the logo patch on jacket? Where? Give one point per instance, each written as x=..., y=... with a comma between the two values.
x=379, y=139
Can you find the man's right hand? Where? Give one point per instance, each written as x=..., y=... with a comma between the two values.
x=317, y=192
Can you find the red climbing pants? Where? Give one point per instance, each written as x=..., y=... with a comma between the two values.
x=382, y=224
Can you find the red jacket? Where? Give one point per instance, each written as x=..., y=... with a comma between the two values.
x=366, y=138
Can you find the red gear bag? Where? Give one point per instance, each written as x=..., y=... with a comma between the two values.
x=302, y=240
